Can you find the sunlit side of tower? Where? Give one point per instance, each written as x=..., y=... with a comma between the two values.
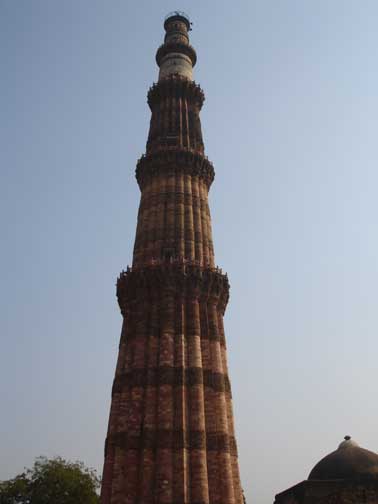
x=171, y=432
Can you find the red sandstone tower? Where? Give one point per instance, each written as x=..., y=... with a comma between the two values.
x=171, y=432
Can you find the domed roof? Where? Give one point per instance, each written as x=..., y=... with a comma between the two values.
x=349, y=461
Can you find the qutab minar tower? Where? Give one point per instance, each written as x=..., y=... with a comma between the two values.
x=171, y=431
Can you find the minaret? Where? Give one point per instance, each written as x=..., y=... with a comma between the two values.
x=171, y=431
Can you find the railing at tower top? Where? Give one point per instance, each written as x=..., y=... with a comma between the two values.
x=179, y=14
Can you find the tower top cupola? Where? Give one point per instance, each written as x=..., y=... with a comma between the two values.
x=176, y=55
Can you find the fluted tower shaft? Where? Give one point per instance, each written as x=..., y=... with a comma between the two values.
x=171, y=434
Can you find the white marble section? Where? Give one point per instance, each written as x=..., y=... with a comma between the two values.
x=176, y=63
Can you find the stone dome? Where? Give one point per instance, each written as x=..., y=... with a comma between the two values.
x=349, y=461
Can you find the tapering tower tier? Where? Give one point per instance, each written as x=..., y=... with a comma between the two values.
x=176, y=55
x=171, y=432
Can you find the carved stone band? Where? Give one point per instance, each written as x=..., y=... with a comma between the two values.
x=174, y=161
x=189, y=282
x=206, y=335
x=175, y=376
x=176, y=47
x=175, y=86
x=149, y=439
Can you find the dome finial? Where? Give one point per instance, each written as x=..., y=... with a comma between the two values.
x=347, y=442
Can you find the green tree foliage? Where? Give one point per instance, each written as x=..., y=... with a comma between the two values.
x=52, y=481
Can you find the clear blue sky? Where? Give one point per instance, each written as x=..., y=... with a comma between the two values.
x=290, y=122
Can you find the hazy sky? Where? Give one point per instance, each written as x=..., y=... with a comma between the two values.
x=290, y=122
